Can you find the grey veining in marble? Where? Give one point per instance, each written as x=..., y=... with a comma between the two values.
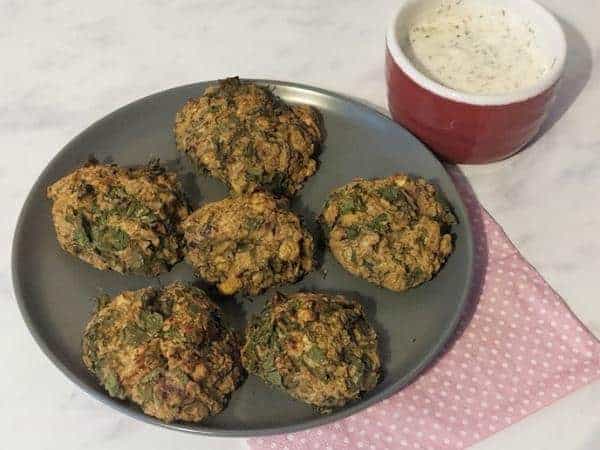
x=64, y=64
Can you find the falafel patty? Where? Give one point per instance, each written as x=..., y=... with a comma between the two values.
x=249, y=138
x=319, y=348
x=126, y=220
x=165, y=350
x=392, y=231
x=247, y=244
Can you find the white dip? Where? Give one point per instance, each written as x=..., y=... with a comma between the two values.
x=475, y=47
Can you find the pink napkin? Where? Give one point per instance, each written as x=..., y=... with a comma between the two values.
x=517, y=349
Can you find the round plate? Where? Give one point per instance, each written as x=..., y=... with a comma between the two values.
x=54, y=289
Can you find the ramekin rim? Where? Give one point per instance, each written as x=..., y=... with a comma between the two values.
x=549, y=79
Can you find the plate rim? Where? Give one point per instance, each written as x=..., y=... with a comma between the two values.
x=199, y=428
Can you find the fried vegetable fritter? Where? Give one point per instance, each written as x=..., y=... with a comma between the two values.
x=165, y=350
x=126, y=220
x=249, y=138
x=247, y=244
x=393, y=231
x=317, y=347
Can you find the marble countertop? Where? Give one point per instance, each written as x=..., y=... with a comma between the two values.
x=65, y=64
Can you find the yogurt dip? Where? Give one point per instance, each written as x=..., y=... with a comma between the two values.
x=475, y=46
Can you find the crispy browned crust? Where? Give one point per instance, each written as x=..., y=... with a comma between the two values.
x=247, y=137
x=165, y=350
x=393, y=231
x=126, y=220
x=319, y=348
x=247, y=244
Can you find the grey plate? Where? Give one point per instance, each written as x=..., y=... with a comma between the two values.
x=54, y=289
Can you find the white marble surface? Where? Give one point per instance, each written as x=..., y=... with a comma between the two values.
x=65, y=64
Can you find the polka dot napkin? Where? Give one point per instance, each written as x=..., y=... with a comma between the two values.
x=517, y=349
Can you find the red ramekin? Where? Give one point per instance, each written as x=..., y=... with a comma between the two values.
x=471, y=128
